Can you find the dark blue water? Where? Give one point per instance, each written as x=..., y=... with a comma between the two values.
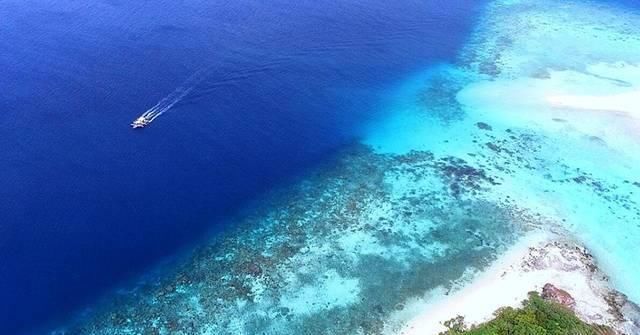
x=86, y=202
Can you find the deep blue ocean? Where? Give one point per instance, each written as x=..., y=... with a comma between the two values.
x=87, y=203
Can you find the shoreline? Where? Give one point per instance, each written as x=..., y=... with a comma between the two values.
x=621, y=103
x=538, y=259
x=618, y=111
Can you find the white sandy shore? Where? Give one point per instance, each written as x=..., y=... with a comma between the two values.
x=538, y=259
x=623, y=102
x=622, y=110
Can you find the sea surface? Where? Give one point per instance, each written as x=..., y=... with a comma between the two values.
x=316, y=167
x=275, y=89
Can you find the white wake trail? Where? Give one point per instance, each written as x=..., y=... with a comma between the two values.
x=171, y=100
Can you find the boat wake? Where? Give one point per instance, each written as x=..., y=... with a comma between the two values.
x=172, y=99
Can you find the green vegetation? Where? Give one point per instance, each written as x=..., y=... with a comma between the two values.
x=536, y=317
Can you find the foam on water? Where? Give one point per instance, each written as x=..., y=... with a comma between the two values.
x=175, y=97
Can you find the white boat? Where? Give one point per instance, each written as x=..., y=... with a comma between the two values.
x=144, y=120
x=140, y=122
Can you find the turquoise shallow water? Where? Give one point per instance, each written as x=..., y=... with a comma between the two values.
x=331, y=254
x=576, y=165
x=466, y=158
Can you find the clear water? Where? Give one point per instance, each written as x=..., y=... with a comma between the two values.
x=439, y=153
x=87, y=203
x=576, y=165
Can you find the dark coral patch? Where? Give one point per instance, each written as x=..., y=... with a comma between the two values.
x=484, y=126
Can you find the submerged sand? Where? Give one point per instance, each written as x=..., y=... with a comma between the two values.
x=623, y=103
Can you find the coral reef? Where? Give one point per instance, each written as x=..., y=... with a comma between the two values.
x=333, y=253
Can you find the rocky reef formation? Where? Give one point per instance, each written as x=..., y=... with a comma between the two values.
x=558, y=295
x=567, y=294
x=537, y=315
x=594, y=301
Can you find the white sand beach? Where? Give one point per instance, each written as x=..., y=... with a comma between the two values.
x=622, y=103
x=536, y=260
x=620, y=109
